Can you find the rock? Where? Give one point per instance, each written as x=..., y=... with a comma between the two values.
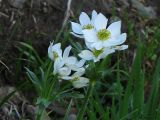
x=144, y=11
x=72, y=117
x=17, y=3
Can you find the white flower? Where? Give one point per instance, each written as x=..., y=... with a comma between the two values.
x=60, y=69
x=85, y=23
x=77, y=80
x=100, y=37
x=80, y=82
x=96, y=55
x=54, y=51
x=64, y=65
x=71, y=61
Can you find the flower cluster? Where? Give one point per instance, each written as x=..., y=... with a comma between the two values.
x=65, y=65
x=100, y=41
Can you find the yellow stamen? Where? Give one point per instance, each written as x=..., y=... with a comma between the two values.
x=75, y=78
x=88, y=26
x=103, y=34
x=55, y=55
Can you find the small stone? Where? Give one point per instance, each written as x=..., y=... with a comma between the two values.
x=144, y=11
x=72, y=117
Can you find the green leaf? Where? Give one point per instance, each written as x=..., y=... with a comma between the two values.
x=34, y=78
x=33, y=50
x=135, y=84
x=154, y=95
x=138, y=78
x=43, y=101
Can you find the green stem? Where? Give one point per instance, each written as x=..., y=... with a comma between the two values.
x=40, y=112
x=89, y=93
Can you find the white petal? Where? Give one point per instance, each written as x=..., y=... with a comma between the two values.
x=100, y=22
x=100, y=56
x=50, y=53
x=64, y=71
x=109, y=43
x=70, y=60
x=84, y=19
x=79, y=72
x=57, y=65
x=81, y=63
x=90, y=35
x=116, y=41
x=73, y=67
x=76, y=35
x=88, y=45
x=115, y=29
x=54, y=49
x=66, y=52
x=82, y=82
x=86, y=55
x=122, y=47
x=57, y=49
x=107, y=52
x=122, y=38
x=97, y=45
x=67, y=77
x=77, y=65
x=76, y=28
x=94, y=15
x=96, y=59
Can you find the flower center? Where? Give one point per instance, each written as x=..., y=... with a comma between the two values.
x=75, y=79
x=55, y=55
x=103, y=34
x=96, y=53
x=88, y=26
